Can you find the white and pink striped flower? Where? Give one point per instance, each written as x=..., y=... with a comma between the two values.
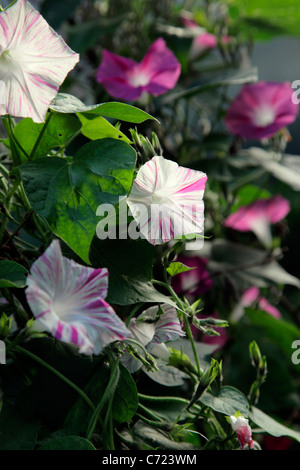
x=34, y=61
x=166, y=200
x=67, y=300
x=152, y=330
x=241, y=426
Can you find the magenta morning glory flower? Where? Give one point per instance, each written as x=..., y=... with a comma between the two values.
x=166, y=200
x=127, y=79
x=241, y=426
x=153, y=333
x=34, y=61
x=261, y=109
x=258, y=217
x=67, y=300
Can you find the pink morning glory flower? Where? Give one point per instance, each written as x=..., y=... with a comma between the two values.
x=261, y=109
x=241, y=426
x=152, y=330
x=34, y=61
x=67, y=300
x=166, y=200
x=252, y=297
x=204, y=41
x=127, y=79
x=258, y=217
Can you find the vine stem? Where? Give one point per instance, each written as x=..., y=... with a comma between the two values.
x=186, y=321
x=57, y=373
x=40, y=136
x=109, y=391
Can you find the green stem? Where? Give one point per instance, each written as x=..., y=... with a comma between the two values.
x=38, y=140
x=110, y=389
x=135, y=343
x=187, y=325
x=133, y=312
x=57, y=373
x=190, y=336
x=28, y=207
x=9, y=127
x=183, y=401
x=149, y=413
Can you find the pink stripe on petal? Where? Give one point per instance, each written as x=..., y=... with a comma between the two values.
x=173, y=197
x=68, y=300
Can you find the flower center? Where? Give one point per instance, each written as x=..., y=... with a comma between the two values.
x=8, y=63
x=138, y=78
x=160, y=197
x=264, y=116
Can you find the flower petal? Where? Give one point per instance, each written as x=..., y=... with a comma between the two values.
x=168, y=327
x=67, y=299
x=162, y=68
x=113, y=75
x=34, y=61
x=172, y=197
x=261, y=109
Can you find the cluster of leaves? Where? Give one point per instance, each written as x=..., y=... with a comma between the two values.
x=53, y=178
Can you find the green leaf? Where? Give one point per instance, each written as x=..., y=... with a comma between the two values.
x=12, y=274
x=67, y=443
x=245, y=265
x=168, y=376
x=228, y=401
x=96, y=127
x=16, y=433
x=271, y=426
x=268, y=19
x=177, y=268
x=65, y=103
x=280, y=331
x=126, y=400
x=247, y=195
x=59, y=130
x=285, y=167
x=129, y=263
x=67, y=192
x=157, y=439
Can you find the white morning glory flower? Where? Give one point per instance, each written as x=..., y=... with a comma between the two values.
x=34, y=61
x=67, y=300
x=152, y=330
x=166, y=200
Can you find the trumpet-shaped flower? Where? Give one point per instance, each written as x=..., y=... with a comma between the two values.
x=67, y=300
x=127, y=79
x=34, y=61
x=166, y=200
x=258, y=217
x=152, y=330
x=241, y=426
x=261, y=109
